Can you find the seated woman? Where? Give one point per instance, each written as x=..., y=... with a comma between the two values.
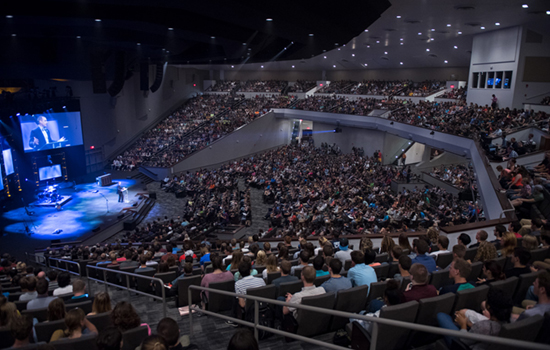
x=125, y=317
x=102, y=304
x=77, y=325
x=271, y=266
x=496, y=311
x=492, y=272
x=56, y=310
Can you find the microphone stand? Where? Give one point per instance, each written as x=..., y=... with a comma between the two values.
x=106, y=201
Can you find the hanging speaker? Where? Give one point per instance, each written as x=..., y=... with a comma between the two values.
x=144, y=76
x=120, y=72
x=158, y=77
x=99, y=84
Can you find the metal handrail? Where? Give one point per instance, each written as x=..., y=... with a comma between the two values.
x=375, y=321
x=66, y=266
x=37, y=259
x=127, y=287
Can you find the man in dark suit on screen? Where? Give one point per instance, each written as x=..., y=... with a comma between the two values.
x=40, y=135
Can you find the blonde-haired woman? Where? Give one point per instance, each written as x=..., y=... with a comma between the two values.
x=271, y=266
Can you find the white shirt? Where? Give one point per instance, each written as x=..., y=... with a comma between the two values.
x=45, y=134
x=439, y=252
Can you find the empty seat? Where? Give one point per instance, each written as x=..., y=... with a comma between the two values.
x=290, y=287
x=133, y=337
x=525, y=281
x=183, y=291
x=471, y=298
x=85, y=342
x=381, y=271
x=476, y=271
x=376, y=290
x=144, y=284
x=44, y=330
x=526, y=330
x=311, y=323
x=440, y=279
x=428, y=309
x=101, y=321
x=218, y=302
x=272, y=276
x=86, y=306
x=348, y=300
x=269, y=292
x=508, y=285
x=320, y=280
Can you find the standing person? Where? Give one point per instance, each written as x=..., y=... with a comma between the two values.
x=494, y=101
x=40, y=135
x=120, y=192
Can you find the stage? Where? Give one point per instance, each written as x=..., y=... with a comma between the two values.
x=85, y=208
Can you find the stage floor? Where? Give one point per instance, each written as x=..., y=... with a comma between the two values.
x=87, y=210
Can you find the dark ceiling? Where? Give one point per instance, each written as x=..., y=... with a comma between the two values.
x=57, y=38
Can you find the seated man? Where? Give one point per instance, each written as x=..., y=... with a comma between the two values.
x=187, y=272
x=459, y=270
x=520, y=258
x=443, y=245
x=309, y=289
x=464, y=239
x=79, y=291
x=304, y=261
x=241, y=286
x=404, y=264
x=344, y=253
x=285, y=274
x=422, y=258
x=360, y=273
x=43, y=300
x=419, y=287
x=318, y=264
x=336, y=281
x=541, y=289
x=28, y=287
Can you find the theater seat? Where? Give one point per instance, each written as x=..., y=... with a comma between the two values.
x=381, y=271
x=525, y=281
x=272, y=276
x=311, y=323
x=85, y=342
x=428, y=309
x=508, y=285
x=476, y=271
x=269, y=292
x=101, y=321
x=6, y=340
x=183, y=291
x=40, y=314
x=377, y=290
x=526, y=330
x=133, y=337
x=86, y=306
x=290, y=287
x=440, y=279
x=44, y=330
x=471, y=298
x=348, y=301
x=218, y=302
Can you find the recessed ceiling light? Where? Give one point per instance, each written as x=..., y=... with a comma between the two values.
x=9, y=16
x=138, y=44
x=398, y=16
x=459, y=33
x=401, y=43
x=419, y=33
x=232, y=66
x=365, y=64
x=244, y=43
x=432, y=39
x=433, y=30
x=456, y=47
x=401, y=63
x=368, y=46
x=269, y=19
x=385, y=52
x=170, y=28
x=14, y=35
x=448, y=25
x=366, y=30
x=525, y=6
x=310, y=34
x=497, y=24
x=482, y=28
x=292, y=66
x=428, y=50
x=262, y=66
x=400, y=39
x=335, y=44
x=98, y=20
x=324, y=56
x=352, y=55
x=338, y=49
x=78, y=36
x=333, y=66
x=446, y=61
x=378, y=41
x=548, y=12
x=212, y=37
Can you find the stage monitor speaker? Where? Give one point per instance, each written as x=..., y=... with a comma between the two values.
x=129, y=225
x=153, y=195
x=144, y=76
x=96, y=229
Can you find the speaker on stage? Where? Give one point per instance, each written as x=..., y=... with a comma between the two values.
x=153, y=195
x=180, y=194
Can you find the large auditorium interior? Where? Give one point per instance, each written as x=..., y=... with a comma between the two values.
x=245, y=175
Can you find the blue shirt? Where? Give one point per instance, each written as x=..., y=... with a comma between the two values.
x=427, y=261
x=362, y=274
x=205, y=258
x=335, y=284
x=319, y=273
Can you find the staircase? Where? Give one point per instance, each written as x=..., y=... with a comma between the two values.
x=142, y=178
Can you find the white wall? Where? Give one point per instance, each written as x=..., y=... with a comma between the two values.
x=416, y=153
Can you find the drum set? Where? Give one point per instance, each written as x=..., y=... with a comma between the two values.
x=49, y=195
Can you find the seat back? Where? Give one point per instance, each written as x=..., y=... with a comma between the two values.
x=347, y=265
x=405, y=282
x=476, y=271
x=526, y=330
x=525, y=281
x=260, y=269
x=218, y=302
x=382, y=271
x=381, y=258
x=166, y=277
x=298, y=273
x=470, y=254
x=544, y=336
x=312, y=323
x=40, y=314
x=377, y=290
x=538, y=254
x=143, y=284
x=44, y=330
x=272, y=276
x=405, y=312
x=428, y=308
x=6, y=340
x=101, y=321
x=113, y=277
x=471, y=298
x=85, y=342
x=348, y=300
x=444, y=259
x=501, y=261
x=394, y=269
x=290, y=287
x=183, y=290
x=133, y=337
x=124, y=278
x=508, y=285
x=269, y=292
x=320, y=280
x=86, y=306
x=21, y=304
x=440, y=279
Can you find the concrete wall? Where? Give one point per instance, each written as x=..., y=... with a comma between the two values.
x=393, y=146
x=370, y=140
x=262, y=134
x=415, y=154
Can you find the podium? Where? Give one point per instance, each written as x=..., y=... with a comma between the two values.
x=125, y=195
x=104, y=180
x=52, y=145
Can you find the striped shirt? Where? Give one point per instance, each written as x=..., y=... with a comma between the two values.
x=248, y=282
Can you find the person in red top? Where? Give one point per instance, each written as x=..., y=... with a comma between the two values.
x=419, y=287
x=514, y=227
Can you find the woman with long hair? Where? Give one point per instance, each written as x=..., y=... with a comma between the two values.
x=77, y=325
x=125, y=317
x=283, y=254
x=271, y=266
x=56, y=310
x=508, y=243
x=236, y=260
x=261, y=258
x=404, y=242
x=8, y=311
x=387, y=244
x=102, y=303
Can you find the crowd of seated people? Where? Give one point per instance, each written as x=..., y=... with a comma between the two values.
x=344, y=105
x=261, y=86
x=545, y=101
x=455, y=93
x=421, y=89
x=377, y=87
x=223, y=86
x=458, y=176
x=302, y=86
